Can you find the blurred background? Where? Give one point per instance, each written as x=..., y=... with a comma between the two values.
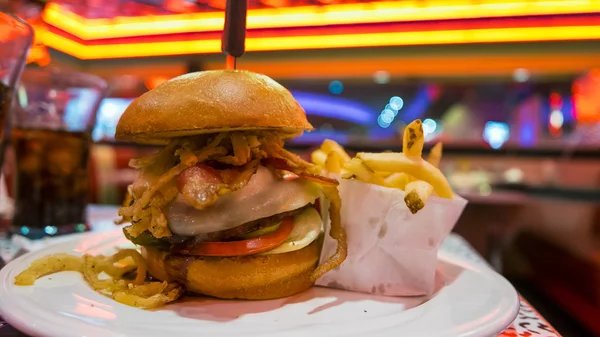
x=511, y=87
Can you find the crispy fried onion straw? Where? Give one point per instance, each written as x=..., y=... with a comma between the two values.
x=146, y=211
x=336, y=232
x=140, y=163
x=241, y=151
x=134, y=292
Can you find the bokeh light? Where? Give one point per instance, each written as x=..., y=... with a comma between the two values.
x=429, y=126
x=521, y=75
x=24, y=230
x=390, y=111
x=50, y=230
x=387, y=116
x=496, y=134
x=381, y=77
x=396, y=103
x=382, y=123
x=557, y=119
x=336, y=87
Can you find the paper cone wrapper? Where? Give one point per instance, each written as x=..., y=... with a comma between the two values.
x=391, y=251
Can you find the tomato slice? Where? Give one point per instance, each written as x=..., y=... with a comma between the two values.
x=244, y=247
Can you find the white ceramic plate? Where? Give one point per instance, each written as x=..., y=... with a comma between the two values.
x=472, y=300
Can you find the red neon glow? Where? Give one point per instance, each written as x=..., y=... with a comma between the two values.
x=306, y=16
x=586, y=91
x=556, y=102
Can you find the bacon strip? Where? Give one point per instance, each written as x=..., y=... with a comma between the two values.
x=201, y=185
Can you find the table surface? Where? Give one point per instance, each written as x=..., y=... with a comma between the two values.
x=528, y=322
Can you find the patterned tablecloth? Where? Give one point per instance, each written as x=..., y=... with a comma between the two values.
x=528, y=322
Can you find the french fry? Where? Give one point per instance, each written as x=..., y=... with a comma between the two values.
x=333, y=163
x=418, y=191
x=384, y=174
x=416, y=167
x=435, y=155
x=347, y=174
x=329, y=146
x=416, y=194
x=413, y=140
x=331, y=156
x=396, y=180
x=406, y=171
x=318, y=157
x=363, y=172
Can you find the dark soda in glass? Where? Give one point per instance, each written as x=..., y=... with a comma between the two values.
x=52, y=181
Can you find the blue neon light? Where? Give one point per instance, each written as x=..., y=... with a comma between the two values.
x=417, y=108
x=334, y=107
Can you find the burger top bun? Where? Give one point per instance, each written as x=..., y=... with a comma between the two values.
x=209, y=102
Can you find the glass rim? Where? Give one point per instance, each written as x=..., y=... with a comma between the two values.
x=55, y=78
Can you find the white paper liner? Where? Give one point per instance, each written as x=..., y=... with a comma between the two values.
x=391, y=251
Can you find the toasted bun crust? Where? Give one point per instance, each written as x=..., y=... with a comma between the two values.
x=254, y=277
x=208, y=102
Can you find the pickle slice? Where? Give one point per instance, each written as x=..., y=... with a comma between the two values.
x=261, y=232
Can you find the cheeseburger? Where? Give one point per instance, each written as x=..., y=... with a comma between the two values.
x=223, y=208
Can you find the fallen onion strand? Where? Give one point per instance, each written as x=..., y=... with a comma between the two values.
x=139, y=262
x=137, y=293
x=48, y=265
x=336, y=232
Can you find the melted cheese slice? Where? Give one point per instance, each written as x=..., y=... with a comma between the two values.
x=307, y=228
x=264, y=196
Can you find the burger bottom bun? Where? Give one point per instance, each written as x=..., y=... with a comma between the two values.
x=254, y=277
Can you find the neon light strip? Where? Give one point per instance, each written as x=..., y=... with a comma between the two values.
x=317, y=137
x=310, y=16
x=490, y=35
x=334, y=107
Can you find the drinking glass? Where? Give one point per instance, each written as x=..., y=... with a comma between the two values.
x=51, y=136
x=16, y=37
